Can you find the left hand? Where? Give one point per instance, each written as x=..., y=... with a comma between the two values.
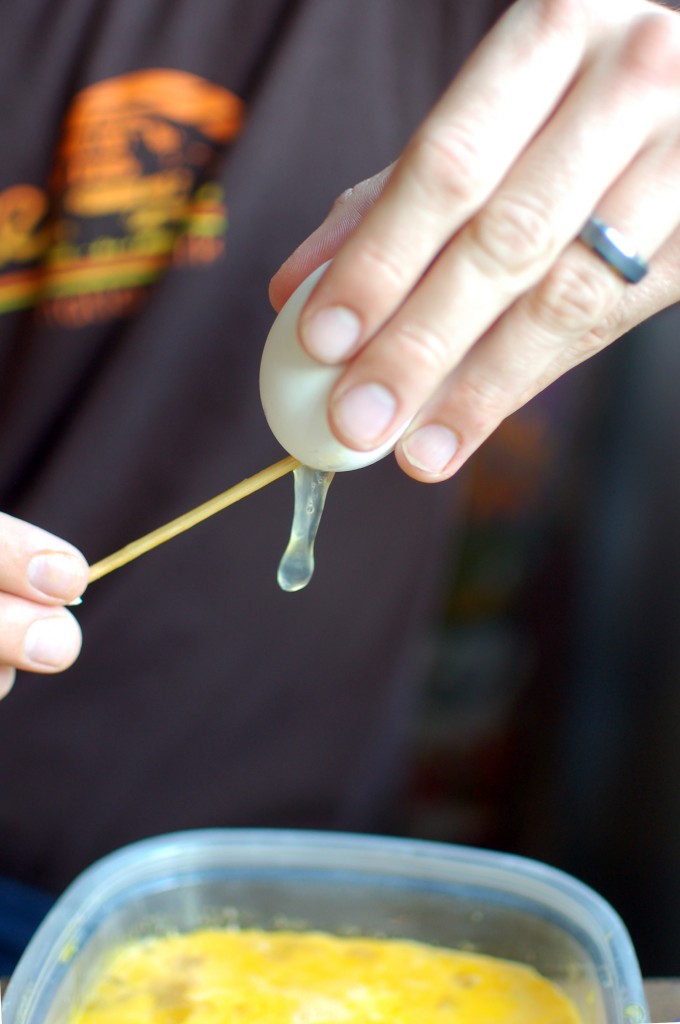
x=458, y=288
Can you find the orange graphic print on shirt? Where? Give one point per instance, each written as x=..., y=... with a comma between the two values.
x=133, y=190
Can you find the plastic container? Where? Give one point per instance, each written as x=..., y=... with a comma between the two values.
x=453, y=896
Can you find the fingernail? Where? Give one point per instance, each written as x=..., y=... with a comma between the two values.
x=57, y=574
x=430, y=448
x=331, y=334
x=7, y=676
x=364, y=413
x=53, y=642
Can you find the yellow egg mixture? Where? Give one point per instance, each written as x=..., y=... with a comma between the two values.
x=215, y=976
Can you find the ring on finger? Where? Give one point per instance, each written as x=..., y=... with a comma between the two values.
x=614, y=248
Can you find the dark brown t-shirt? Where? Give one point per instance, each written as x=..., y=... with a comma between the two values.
x=159, y=160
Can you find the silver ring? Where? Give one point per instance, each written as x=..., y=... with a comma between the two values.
x=614, y=248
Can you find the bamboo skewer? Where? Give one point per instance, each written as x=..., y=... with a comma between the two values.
x=189, y=519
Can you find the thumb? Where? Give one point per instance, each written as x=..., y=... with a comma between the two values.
x=347, y=212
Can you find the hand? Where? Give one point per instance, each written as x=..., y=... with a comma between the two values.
x=39, y=573
x=457, y=287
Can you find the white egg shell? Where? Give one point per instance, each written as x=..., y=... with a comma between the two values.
x=295, y=389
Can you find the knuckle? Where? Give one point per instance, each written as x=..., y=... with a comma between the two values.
x=375, y=263
x=559, y=17
x=512, y=234
x=587, y=345
x=425, y=349
x=484, y=402
x=652, y=50
x=574, y=296
x=537, y=26
x=448, y=165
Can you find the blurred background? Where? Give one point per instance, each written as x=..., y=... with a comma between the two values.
x=549, y=725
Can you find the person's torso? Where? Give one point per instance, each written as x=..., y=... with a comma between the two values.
x=160, y=158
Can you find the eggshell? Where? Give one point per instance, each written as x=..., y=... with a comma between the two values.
x=295, y=390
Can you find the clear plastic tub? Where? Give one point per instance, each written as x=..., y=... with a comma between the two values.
x=453, y=896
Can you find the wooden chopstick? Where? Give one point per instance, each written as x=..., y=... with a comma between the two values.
x=189, y=519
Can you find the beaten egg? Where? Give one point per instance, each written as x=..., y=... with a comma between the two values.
x=213, y=976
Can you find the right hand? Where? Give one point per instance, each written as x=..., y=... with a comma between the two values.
x=39, y=574
x=459, y=286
